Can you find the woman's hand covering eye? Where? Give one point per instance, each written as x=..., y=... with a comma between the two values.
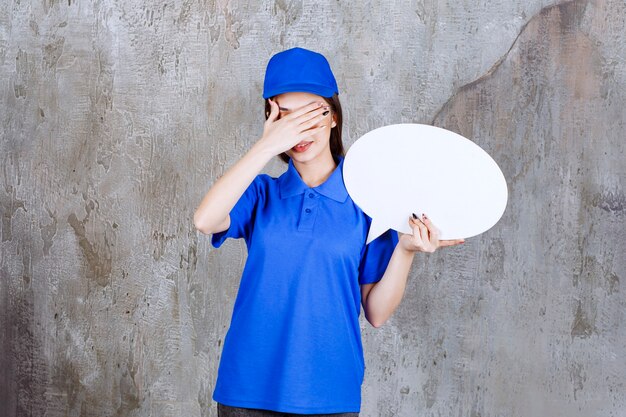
x=282, y=134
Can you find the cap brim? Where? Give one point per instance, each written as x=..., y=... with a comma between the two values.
x=300, y=88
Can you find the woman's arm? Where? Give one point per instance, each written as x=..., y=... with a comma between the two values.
x=212, y=214
x=382, y=298
x=279, y=135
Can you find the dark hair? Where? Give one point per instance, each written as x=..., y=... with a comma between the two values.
x=336, y=144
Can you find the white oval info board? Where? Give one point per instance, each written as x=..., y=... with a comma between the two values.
x=396, y=170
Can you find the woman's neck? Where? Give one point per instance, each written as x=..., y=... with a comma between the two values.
x=315, y=172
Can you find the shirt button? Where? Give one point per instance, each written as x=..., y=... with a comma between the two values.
x=311, y=195
x=308, y=210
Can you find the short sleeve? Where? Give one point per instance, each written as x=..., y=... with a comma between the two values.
x=243, y=213
x=376, y=257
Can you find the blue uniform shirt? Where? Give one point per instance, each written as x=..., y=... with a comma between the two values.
x=294, y=342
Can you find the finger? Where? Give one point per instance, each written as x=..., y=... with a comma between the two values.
x=434, y=231
x=313, y=115
x=422, y=228
x=417, y=233
x=416, y=219
x=310, y=132
x=274, y=110
x=451, y=242
x=306, y=109
x=314, y=121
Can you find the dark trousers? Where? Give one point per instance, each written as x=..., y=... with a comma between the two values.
x=228, y=411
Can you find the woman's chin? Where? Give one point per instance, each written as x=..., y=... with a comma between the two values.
x=304, y=157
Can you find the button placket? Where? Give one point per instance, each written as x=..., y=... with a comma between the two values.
x=309, y=210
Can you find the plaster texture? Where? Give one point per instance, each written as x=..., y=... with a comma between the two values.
x=116, y=116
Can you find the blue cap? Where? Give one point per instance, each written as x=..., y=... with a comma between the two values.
x=299, y=70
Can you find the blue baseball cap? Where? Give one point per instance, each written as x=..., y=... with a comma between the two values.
x=299, y=70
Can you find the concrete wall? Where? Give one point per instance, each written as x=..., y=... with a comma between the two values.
x=116, y=116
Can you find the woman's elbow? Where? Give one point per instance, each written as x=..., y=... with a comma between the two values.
x=202, y=226
x=377, y=324
x=212, y=227
x=376, y=321
x=202, y=230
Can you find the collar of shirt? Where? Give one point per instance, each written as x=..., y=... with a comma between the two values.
x=291, y=183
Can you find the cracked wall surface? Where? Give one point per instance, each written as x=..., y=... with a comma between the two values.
x=117, y=116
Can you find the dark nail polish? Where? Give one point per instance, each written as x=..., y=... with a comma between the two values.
x=414, y=216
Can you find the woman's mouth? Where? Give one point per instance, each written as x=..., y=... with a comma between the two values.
x=302, y=146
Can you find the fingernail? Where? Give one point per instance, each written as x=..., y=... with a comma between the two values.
x=414, y=216
x=424, y=216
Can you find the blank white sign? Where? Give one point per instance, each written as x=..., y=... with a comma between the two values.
x=400, y=169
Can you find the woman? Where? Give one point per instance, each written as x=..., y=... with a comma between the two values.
x=294, y=343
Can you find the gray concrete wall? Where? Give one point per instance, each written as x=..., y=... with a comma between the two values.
x=116, y=116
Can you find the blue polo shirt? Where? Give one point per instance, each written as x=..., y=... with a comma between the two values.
x=294, y=342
